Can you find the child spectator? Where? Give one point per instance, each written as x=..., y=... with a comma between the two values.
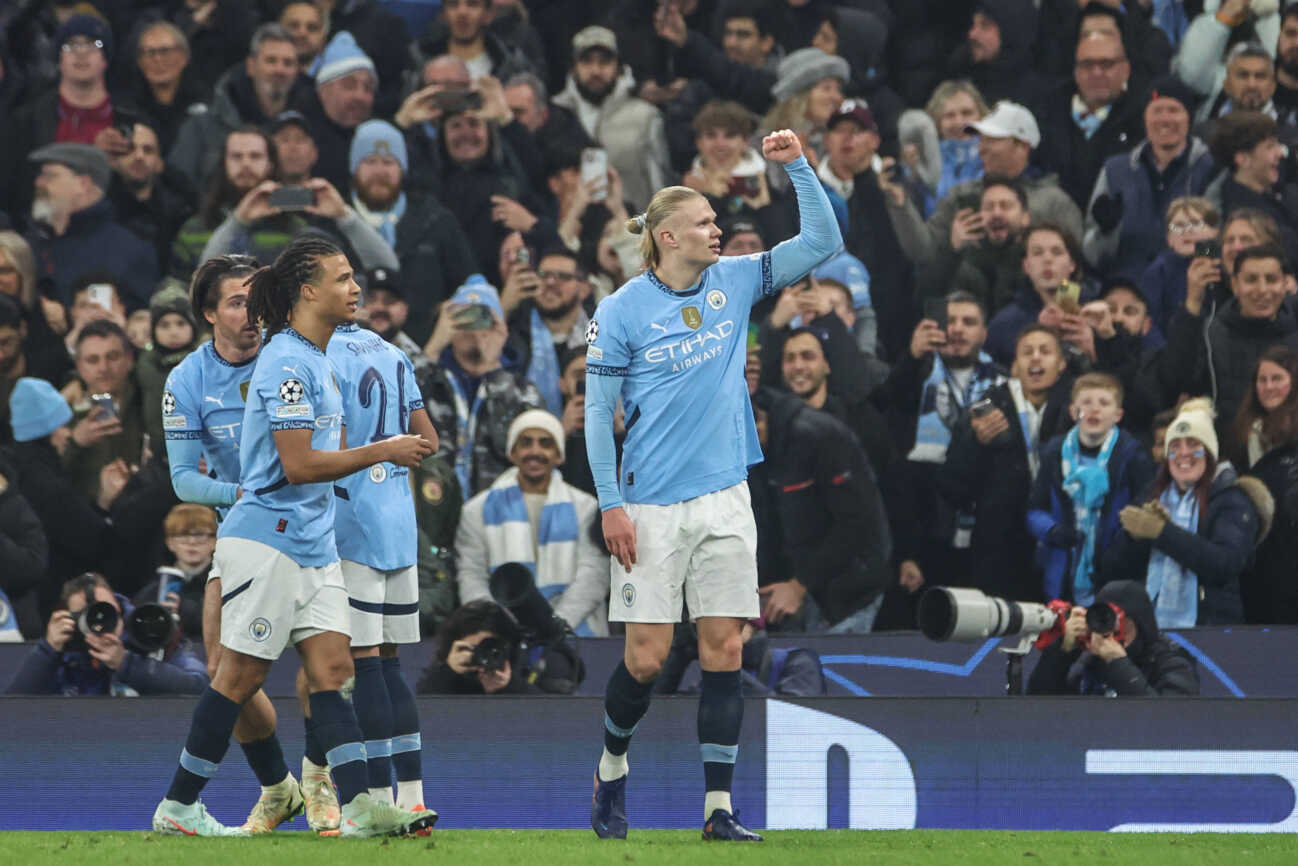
x=1087, y=477
x=190, y=535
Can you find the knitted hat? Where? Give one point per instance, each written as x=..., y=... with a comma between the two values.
x=1171, y=87
x=1194, y=420
x=171, y=298
x=36, y=410
x=92, y=27
x=539, y=419
x=378, y=137
x=801, y=70
x=343, y=56
x=476, y=290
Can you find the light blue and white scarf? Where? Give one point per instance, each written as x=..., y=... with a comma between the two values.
x=1173, y=588
x=1087, y=484
x=942, y=401
x=383, y=221
x=552, y=558
x=543, y=369
x=9, y=632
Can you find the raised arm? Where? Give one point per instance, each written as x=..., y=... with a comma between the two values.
x=820, y=236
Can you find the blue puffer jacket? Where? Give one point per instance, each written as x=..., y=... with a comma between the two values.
x=1141, y=234
x=1131, y=471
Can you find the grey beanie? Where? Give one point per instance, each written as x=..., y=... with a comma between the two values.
x=799, y=72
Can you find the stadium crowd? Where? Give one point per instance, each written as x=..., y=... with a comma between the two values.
x=1059, y=350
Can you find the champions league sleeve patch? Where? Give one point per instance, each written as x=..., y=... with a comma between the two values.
x=168, y=403
x=291, y=391
x=592, y=332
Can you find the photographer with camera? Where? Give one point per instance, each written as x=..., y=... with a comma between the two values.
x=478, y=652
x=97, y=643
x=1114, y=648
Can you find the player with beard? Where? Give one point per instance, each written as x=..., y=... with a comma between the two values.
x=549, y=321
x=986, y=255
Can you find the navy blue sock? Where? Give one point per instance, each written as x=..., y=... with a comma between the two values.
x=625, y=703
x=721, y=713
x=312, y=750
x=267, y=760
x=374, y=713
x=209, y=737
x=407, y=751
x=339, y=736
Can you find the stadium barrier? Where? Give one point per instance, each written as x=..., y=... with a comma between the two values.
x=1180, y=764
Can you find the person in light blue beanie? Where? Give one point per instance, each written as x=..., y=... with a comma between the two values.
x=342, y=56
x=36, y=409
x=346, y=84
x=379, y=164
x=476, y=290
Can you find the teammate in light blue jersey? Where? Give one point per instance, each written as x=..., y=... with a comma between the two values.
x=202, y=417
x=276, y=548
x=671, y=344
x=376, y=532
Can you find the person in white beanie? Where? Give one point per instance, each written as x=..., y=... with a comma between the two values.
x=532, y=516
x=1197, y=532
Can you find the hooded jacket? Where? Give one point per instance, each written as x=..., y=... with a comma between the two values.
x=1152, y=667
x=1009, y=75
x=1235, y=520
x=832, y=522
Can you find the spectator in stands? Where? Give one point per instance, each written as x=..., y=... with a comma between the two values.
x=94, y=297
x=1091, y=118
x=1245, y=82
x=1245, y=143
x=421, y=114
x=997, y=54
x=383, y=36
x=345, y=86
x=162, y=86
x=13, y=357
x=386, y=311
x=627, y=127
x=1064, y=22
x=1006, y=140
x=455, y=668
x=530, y=514
x=573, y=385
x=471, y=396
x=529, y=100
x=308, y=24
x=147, y=199
x=79, y=109
x=1130, y=311
x=251, y=95
x=45, y=356
x=1190, y=220
x=1085, y=480
x=1265, y=434
x=807, y=92
x=834, y=537
x=985, y=256
x=24, y=551
x=77, y=527
x=173, y=334
x=1138, y=662
x=1124, y=219
x=218, y=35
x=1050, y=257
x=1256, y=318
x=938, y=146
x=994, y=458
x=430, y=246
x=190, y=532
x=102, y=437
x=744, y=68
x=551, y=321
x=102, y=664
x=295, y=150
x=730, y=173
x=1196, y=534
x=463, y=31
x=74, y=229
x=1286, y=68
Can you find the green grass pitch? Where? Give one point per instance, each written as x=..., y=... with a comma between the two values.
x=651, y=847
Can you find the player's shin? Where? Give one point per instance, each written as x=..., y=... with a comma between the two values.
x=407, y=748
x=721, y=714
x=625, y=703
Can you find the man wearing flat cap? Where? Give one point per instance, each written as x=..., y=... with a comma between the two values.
x=73, y=229
x=599, y=92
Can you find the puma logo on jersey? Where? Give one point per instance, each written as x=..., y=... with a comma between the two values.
x=662, y=328
x=289, y=369
x=216, y=400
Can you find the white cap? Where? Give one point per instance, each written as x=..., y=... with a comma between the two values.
x=1009, y=120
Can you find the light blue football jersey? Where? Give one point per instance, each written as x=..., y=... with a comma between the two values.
x=680, y=357
x=202, y=417
x=293, y=388
x=375, y=519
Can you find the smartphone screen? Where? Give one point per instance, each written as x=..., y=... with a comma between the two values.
x=594, y=167
x=101, y=294
x=291, y=198
x=935, y=309
x=475, y=318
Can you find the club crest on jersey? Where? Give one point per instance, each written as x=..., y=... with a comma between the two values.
x=259, y=629
x=378, y=474
x=592, y=332
x=291, y=391
x=628, y=594
x=716, y=299
x=168, y=403
x=692, y=317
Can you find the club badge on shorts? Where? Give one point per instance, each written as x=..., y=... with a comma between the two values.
x=259, y=629
x=692, y=317
x=628, y=594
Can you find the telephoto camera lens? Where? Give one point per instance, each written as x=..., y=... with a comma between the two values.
x=150, y=626
x=98, y=618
